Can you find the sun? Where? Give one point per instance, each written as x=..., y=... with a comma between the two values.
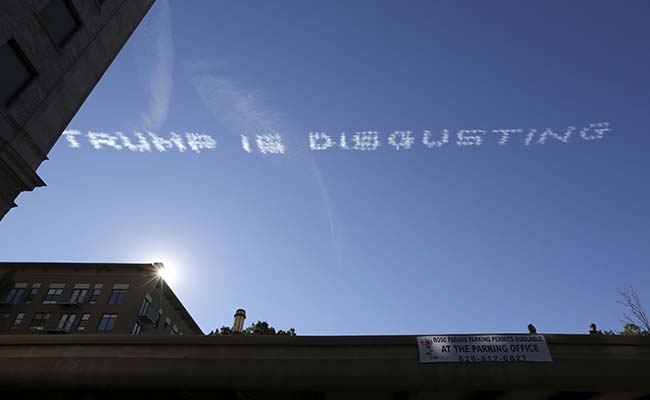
x=166, y=271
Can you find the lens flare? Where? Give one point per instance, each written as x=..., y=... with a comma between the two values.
x=166, y=271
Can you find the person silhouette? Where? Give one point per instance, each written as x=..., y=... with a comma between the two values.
x=593, y=330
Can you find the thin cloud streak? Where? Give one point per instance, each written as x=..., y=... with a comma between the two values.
x=244, y=112
x=327, y=203
x=155, y=61
x=237, y=108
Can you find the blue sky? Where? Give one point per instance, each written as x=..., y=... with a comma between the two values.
x=456, y=239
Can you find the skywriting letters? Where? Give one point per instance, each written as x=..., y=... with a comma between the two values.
x=404, y=140
x=319, y=141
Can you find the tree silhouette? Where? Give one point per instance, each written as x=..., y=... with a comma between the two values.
x=635, y=319
x=259, y=328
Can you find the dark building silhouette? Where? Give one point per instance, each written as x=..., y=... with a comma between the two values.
x=239, y=367
x=52, y=54
x=66, y=298
x=138, y=340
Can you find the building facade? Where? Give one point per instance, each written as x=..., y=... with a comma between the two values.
x=52, y=54
x=60, y=298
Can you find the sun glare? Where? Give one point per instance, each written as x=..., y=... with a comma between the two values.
x=166, y=271
x=169, y=262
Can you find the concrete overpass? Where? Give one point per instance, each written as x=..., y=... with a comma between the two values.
x=311, y=367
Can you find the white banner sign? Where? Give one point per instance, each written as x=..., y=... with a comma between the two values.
x=483, y=348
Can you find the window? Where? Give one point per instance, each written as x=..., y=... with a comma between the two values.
x=66, y=321
x=78, y=296
x=146, y=313
x=15, y=294
x=137, y=328
x=16, y=72
x=39, y=321
x=174, y=331
x=107, y=322
x=31, y=295
x=95, y=295
x=117, y=296
x=4, y=317
x=83, y=323
x=60, y=20
x=52, y=295
x=144, y=308
x=18, y=320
